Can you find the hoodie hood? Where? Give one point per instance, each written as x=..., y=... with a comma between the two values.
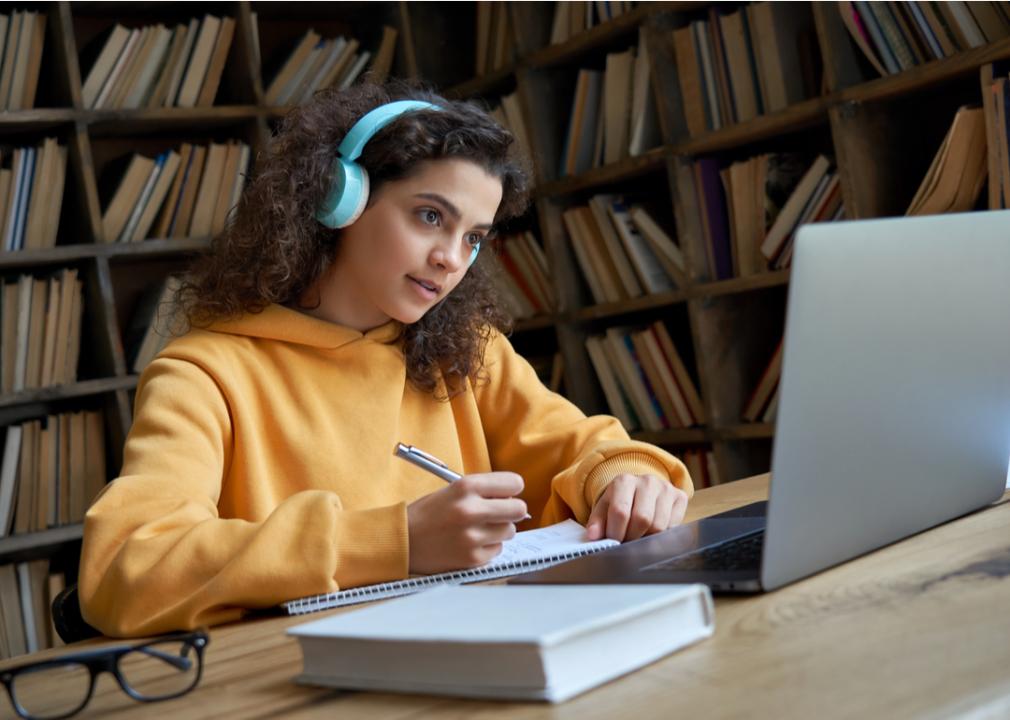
x=277, y=322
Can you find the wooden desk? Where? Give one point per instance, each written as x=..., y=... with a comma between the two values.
x=919, y=629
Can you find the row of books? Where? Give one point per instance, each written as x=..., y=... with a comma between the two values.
x=751, y=210
x=151, y=324
x=644, y=380
x=996, y=102
x=317, y=63
x=40, y=326
x=154, y=66
x=495, y=37
x=31, y=195
x=613, y=113
x=572, y=18
x=895, y=36
x=184, y=193
x=702, y=467
x=51, y=471
x=27, y=591
x=762, y=404
x=622, y=252
x=734, y=67
x=522, y=277
x=22, y=39
x=958, y=171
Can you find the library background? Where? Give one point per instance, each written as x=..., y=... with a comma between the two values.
x=676, y=148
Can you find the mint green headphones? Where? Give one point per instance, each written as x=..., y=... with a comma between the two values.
x=348, y=194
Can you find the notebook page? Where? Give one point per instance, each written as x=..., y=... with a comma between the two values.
x=563, y=537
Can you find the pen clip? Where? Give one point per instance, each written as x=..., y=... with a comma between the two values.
x=427, y=456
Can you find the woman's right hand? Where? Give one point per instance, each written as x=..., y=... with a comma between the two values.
x=464, y=524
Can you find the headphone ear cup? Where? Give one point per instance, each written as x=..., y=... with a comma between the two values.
x=473, y=254
x=348, y=195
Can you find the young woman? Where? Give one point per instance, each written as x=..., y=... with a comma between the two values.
x=260, y=464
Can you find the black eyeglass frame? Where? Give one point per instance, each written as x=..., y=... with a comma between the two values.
x=107, y=660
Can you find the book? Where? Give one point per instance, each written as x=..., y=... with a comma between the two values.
x=199, y=61
x=9, y=477
x=216, y=63
x=528, y=550
x=535, y=642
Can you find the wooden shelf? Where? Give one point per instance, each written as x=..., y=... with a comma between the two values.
x=72, y=253
x=124, y=122
x=14, y=544
x=646, y=302
x=678, y=436
x=746, y=431
x=651, y=161
x=64, y=392
x=483, y=84
x=741, y=284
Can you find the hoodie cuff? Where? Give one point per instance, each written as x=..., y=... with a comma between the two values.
x=633, y=463
x=371, y=546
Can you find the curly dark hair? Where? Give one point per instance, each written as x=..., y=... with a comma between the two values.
x=273, y=249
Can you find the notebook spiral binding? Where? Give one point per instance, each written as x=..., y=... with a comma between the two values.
x=351, y=596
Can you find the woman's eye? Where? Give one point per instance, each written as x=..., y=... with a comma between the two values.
x=474, y=239
x=430, y=216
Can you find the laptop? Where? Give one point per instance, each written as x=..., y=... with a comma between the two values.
x=894, y=408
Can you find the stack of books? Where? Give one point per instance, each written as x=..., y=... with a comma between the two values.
x=746, y=63
x=184, y=193
x=646, y=383
x=51, y=471
x=40, y=326
x=22, y=39
x=317, y=63
x=522, y=276
x=27, y=590
x=155, y=66
x=31, y=195
x=572, y=18
x=622, y=251
x=613, y=113
x=751, y=210
x=763, y=402
x=958, y=172
x=895, y=36
x=996, y=104
x=495, y=38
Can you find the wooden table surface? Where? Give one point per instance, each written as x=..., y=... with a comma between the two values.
x=919, y=629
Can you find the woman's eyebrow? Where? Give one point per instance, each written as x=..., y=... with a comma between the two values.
x=449, y=207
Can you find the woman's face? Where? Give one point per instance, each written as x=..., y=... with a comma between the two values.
x=412, y=245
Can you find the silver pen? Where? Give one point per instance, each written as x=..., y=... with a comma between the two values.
x=427, y=461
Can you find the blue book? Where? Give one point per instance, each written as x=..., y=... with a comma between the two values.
x=27, y=176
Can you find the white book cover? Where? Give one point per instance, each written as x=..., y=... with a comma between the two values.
x=516, y=642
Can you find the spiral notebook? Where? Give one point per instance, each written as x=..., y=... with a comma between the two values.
x=528, y=550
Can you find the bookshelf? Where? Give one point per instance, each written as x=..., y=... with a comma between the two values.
x=882, y=132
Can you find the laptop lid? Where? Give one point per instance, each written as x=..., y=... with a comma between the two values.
x=894, y=413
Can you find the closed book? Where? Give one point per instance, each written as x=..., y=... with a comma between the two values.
x=150, y=63
x=199, y=61
x=542, y=642
x=279, y=85
x=776, y=30
x=620, y=404
x=123, y=60
x=599, y=205
x=684, y=381
x=618, y=81
x=179, y=69
x=166, y=177
x=643, y=259
x=18, y=80
x=117, y=213
x=644, y=133
x=666, y=250
x=786, y=220
x=34, y=63
x=173, y=58
x=689, y=75
x=215, y=68
x=9, y=56
x=210, y=185
x=761, y=395
x=9, y=477
x=579, y=247
x=714, y=219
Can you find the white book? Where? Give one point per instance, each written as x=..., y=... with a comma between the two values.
x=104, y=64
x=356, y=68
x=27, y=608
x=650, y=270
x=514, y=642
x=147, y=75
x=528, y=550
x=180, y=67
x=9, y=477
x=145, y=195
x=620, y=405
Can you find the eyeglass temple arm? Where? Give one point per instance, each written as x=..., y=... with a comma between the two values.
x=180, y=663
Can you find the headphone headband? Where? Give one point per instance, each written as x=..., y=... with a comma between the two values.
x=357, y=137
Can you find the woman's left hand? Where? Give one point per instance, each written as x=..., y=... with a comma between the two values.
x=636, y=505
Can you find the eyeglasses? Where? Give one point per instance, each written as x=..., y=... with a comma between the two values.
x=160, y=669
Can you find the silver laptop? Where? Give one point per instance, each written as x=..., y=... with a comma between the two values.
x=894, y=413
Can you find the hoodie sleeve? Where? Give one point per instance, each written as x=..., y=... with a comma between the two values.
x=566, y=458
x=156, y=554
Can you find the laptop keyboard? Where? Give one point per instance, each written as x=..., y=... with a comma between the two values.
x=742, y=553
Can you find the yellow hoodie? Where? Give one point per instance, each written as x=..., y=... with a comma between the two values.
x=260, y=468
